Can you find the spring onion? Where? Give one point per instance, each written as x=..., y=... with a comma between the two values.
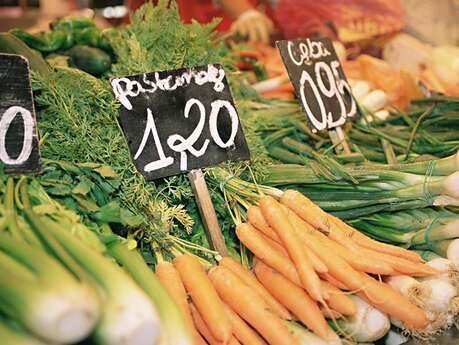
x=447, y=248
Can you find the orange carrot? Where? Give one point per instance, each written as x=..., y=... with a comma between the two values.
x=170, y=279
x=294, y=298
x=333, y=281
x=242, y=331
x=319, y=219
x=278, y=220
x=392, y=303
x=306, y=209
x=401, y=264
x=354, y=258
x=250, y=307
x=337, y=266
x=249, y=279
x=318, y=265
x=369, y=243
x=257, y=244
x=204, y=296
x=366, y=264
x=338, y=301
x=330, y=313
x=204, y=330
x=256, y=218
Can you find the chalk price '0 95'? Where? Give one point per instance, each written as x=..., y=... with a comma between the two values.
x=182, y=145
x=337, y=87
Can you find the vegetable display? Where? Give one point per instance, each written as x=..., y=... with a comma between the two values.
x=325, y=247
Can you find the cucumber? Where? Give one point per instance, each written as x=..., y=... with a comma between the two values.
x=89, y=59
x=10, y=44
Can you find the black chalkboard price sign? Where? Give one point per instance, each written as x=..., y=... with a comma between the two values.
x=181, y=121
x=319, y=82
x=19, y=152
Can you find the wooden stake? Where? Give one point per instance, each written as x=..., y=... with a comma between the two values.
x=207, y=211
x=337, y=137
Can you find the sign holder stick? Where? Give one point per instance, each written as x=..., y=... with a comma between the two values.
x=207, y=211
x=339, y=140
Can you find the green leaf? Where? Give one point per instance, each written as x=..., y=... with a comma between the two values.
x=110, y=213
x=83, y=187
x=86, y=204
x=130, y=219
x=106, y=171
x=59, y=190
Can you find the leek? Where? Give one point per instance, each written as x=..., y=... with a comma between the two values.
x=128, y=316
x=174, y=329
x=14, y=336
x=42, y=295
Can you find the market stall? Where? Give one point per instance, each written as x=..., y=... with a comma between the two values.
x=164, y=183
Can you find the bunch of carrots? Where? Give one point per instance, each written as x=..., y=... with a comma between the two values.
x=306, y=264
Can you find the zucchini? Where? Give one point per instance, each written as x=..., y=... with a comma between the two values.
x=10, y=44
x=89, y=59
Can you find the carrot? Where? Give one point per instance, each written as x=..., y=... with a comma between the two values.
x=401, y=264
x=249, y=279
x=170, y=278
x=243, y=332
x=204, y=296
x=360, y=262
x=392, y=303
x=256, y=218
x=319, y=219
x=350, y=253
x=278, y=220
x=369, y=243
x=204, y=330
x=294, y=298
x=306, y=209
x=338, y=301
x=250, y=307
x=337, y=266
x=333, y=281
x=318, y=265
x=330, y=314
x=257, y=244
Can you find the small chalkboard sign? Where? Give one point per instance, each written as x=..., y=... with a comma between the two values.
x=19, y=152
x=180, y=120
x=319, y=81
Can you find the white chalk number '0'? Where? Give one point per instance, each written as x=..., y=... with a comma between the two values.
x=183, y=145
x=8, y=116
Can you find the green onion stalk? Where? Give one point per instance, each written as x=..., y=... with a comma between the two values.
x=442, y=228
x=374, y=188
